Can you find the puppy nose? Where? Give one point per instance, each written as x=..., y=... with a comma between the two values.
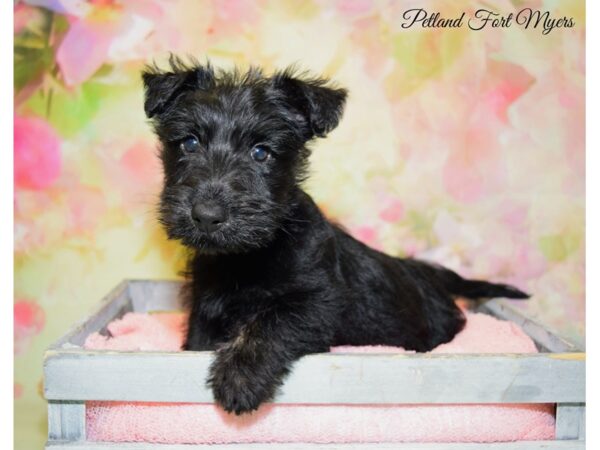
x=209, y=216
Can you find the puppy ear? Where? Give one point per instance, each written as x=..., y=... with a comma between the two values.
x=162, y=87
x=320, y=104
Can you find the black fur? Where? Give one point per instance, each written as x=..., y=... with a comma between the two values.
x=276, y=280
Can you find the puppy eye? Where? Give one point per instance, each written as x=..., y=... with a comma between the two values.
x=260, y=153
x=190, y=144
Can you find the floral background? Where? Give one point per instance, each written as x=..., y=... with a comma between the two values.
x=464, y=147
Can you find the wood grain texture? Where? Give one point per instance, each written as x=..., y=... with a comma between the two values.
x=570, y=421
x=324, y=378
x=66, y=421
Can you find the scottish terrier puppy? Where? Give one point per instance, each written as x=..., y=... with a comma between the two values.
x=271, y=279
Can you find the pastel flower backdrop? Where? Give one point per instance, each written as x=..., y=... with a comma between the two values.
x=463, y=147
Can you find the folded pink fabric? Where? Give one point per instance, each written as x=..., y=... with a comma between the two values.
x=178, y=423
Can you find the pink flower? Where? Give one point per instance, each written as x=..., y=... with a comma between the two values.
x=463, y=178
x=367, y=235
x=86, y=204
x=29, y=320
x=84, y=48
x=17, y=390
x=475, y=167
x=393, y=212
x=37, y=161
x=104, y=32
x=505, y=84
x=136, y=174
x=141, y=164
x=24, y=15
x=354, y=7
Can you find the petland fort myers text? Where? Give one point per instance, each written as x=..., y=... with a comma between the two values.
x=526, y=18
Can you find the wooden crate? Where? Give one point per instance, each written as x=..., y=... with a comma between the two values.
x=73, y=375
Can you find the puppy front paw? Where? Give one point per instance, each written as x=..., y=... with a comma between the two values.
x=238, y=388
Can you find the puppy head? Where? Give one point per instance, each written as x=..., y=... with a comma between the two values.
x=233, y=149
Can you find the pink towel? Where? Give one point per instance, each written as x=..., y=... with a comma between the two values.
x=178, y=423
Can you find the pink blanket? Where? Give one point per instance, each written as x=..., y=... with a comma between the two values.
x=178, y=423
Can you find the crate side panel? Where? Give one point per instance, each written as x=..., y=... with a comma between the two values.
x=111, y=307
x=545, y=339
x=155, y=295
x=326, y=378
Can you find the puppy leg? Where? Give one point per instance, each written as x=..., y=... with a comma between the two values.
x=248, y=370
x=201, y=335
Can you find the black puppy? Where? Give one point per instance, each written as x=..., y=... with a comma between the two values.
x=271, y=279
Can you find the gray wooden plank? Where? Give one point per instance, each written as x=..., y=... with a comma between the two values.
x=155, y=295
x=541, y=334
x=521, y=445
x=113, y=305
x=326, y=378
x=582, y=424
x=570, y=421
x=66, y=421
